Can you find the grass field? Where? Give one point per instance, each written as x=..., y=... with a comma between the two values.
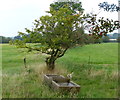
x=95, y=70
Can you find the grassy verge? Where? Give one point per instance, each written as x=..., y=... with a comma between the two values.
x=95, y=69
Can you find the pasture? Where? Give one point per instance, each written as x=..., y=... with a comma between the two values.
x=95, y=69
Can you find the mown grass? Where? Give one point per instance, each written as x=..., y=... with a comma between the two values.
x=95, y=54
x=95, y=70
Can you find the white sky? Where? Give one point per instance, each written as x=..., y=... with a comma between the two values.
x=15, y=15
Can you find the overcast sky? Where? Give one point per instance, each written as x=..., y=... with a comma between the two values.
x=15, y=15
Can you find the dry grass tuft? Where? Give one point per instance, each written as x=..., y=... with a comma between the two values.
x=94, y=73
x=41, y=69
x=114, y=75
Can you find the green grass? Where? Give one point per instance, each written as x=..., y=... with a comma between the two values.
x=95, y=70
x=95, y=54
x=12, y=58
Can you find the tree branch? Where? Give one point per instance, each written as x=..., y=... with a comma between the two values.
x=62, y=54
x=56, y=52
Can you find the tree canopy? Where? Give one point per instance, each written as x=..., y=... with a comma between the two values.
x=62, y=29
x=55, y=33
x=75, y=7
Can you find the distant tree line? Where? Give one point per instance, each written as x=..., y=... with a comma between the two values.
x=89, y=39
x=114, y=36
x=85, y=39
x=5, y=39
x=109, y=38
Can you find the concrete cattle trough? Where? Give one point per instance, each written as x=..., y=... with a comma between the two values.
x=61, y=83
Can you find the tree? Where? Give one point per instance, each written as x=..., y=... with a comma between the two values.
x=5, y=39
x=109, y=7
x=118, y=39
x=105, y=39
x=55, y=33
x=17, y=37
x=60, y=30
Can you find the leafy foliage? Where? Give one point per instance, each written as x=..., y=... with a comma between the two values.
x=109, y=7
x=75, y=7
x=99, y=27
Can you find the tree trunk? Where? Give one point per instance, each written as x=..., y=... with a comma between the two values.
x=50, y=62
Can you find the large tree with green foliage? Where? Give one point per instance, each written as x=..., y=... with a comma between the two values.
x=62, y=29
x=55, y=32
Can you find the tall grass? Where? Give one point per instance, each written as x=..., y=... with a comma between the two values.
x=94, y=66
x=0, y=71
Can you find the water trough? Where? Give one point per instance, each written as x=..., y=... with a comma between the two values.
x=61, y=83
